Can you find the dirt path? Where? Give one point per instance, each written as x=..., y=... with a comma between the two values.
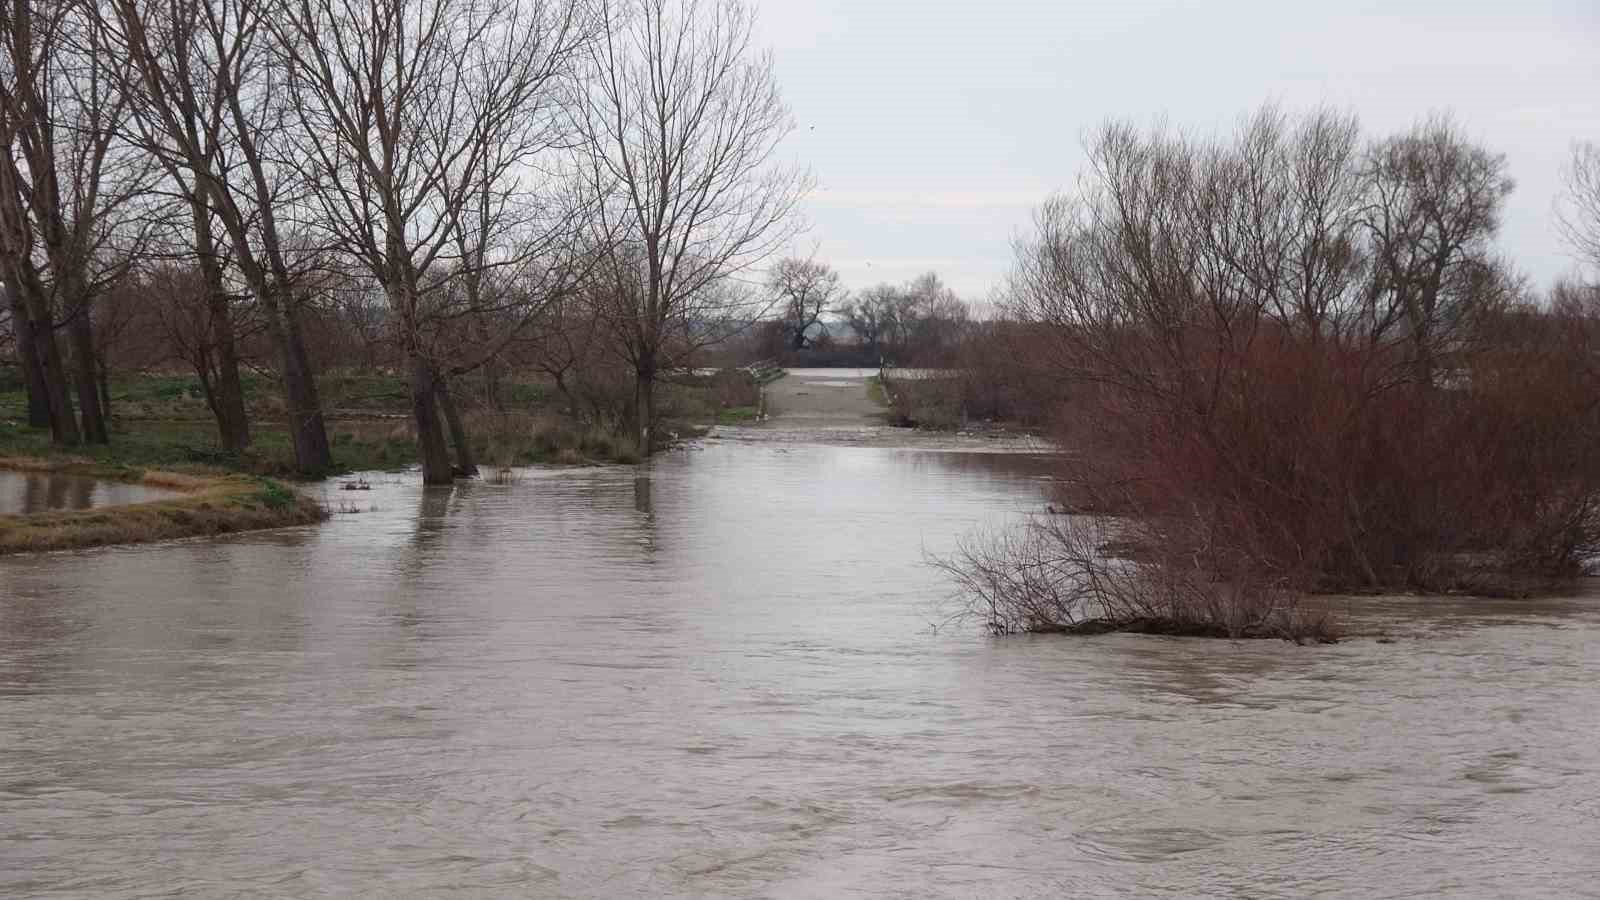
x=834, y=406
x=824, y=398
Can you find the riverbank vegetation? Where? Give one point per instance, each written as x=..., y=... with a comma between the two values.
x=440, y=201
x=1062, y=575
x=1286, y=364
x=163, y=421
x=203, y=503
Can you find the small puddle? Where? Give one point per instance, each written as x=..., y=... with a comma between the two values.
x=31, y=492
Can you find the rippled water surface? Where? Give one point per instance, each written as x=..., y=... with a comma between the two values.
x=720, y=676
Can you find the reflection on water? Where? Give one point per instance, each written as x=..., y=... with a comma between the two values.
x=31, y=492
x=716, y=675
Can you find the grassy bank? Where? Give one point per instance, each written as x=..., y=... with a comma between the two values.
x=182, y=445
x=738, y=415
x=163, y=422
x=203, y=504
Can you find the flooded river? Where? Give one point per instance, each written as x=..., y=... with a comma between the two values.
x=722, y=675
x=32, y=492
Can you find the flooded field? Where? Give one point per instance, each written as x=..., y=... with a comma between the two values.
x=31, y=492
x=727, y=673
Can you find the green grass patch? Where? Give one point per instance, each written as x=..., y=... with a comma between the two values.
x=187, y=446
x=738, y=415
x=161, y=422
x=202, y=505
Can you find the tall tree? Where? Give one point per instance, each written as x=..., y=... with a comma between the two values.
x=209, y=104
x=428, y=125
x=69, y=190
x=682, y=118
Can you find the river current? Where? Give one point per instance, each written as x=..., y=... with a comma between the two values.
x=730, y=673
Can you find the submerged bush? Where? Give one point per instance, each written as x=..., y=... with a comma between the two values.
x=1295, y=358
x=1059, y=574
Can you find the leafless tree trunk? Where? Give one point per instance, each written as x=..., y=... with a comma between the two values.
x=466, y=464
x=682, y=118
x=28, y=357
x=430, y=430
x=86, y=379
x=72, y=184
x=40, y=326
x=415, y=114
x=233, y=422
x=208, y=100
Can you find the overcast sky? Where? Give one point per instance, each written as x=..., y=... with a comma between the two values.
x=934, y=126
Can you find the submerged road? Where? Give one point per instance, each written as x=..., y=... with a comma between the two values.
x=824, y=398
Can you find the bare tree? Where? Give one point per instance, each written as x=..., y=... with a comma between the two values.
x=920, y=320
x=804, y=289
x=209, y=105
x=930, y=319
x=429, y=127
x=1296, y=339
x=1578, y=214
x=682, y=119
x=868, y=314
x=1433, y=207
x=24, y=343
x=69, y=192
x=183, y=303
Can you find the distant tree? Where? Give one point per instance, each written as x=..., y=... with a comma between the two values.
x=804, y=290
x=1578, y=214
x=1433, y=204
x=869, y=313
x=931, y=319
x=681, y=117
x=922, y=319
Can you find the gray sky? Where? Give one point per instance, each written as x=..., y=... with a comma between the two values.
x=934, y=127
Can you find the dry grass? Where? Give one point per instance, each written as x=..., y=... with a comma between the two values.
x=205, y=505
x=503, y=440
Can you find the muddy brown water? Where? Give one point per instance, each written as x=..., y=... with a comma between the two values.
x=718, y=675
x=32, y=492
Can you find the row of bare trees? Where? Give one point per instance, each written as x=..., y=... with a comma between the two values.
x=920, y=322
x=461, y=178
x=1296, y=359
